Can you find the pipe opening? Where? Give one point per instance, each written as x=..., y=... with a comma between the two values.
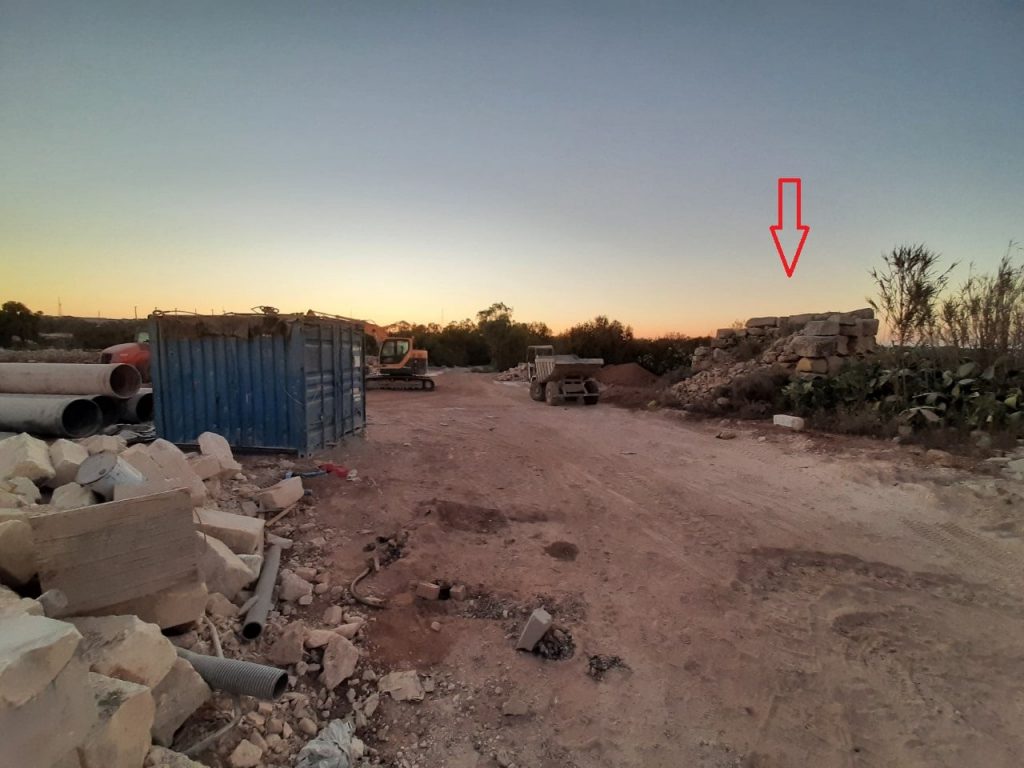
x=144, y=407
x=125, y=380
x=110, y=408
x=81, y=418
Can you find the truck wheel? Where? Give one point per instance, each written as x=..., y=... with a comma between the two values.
x=590, y=399
x=551, y=394
x=593, y=392
x=537, y=391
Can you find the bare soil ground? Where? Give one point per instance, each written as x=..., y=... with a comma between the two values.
x=798, y=601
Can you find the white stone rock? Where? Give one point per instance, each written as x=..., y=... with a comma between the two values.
x=171, y=607
x=790, y=422
x=220, y=606
x=280, y=495
x=104, y=444
x=121, y=737
x=12, y=604
x=206, y=467
x=17, y=553
x=179, y=694
x=66, y=457
x=246, y=755
x=160, y=757
x=403, y=686
x=45, y=731
x=339, y=662
x=175, y=467
x=212, y=444
x=33, y=651
x=72, y=496
x=244, y=535
x=221, y=569
x=255, y=563
x=26, y=489
x=293, y=587
x=126, y=648
x=25, y=456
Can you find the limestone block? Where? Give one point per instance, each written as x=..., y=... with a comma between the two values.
x=17, y=553
x=814, y=346
x=171, y=607
x=66, y=457
x=280, y=495
x=790, y=422
x=104, y=444
x=126, y=648
x=762, y=322
x=204, y=466
x=44, y=730
x=72, y=496
x=121, y=736
x=821, y=328
x=179, y=694
x=33, y=651
x=212, y=444
x=175, y=467
x=867, y=327
x=221, y=569
x=244, y=535
x=25, y=456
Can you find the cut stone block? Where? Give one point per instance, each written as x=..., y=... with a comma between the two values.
x=120, y=738
x=104, y=444
x=72, y=496
x=66, y=457
x=821, y=328
x=814, y=346
x=867, y=327
x=428, y=590
x=835, y=365
x=536, y=627
x=725, y=333
x=173, y=606
x=33, y=651
x=861, y=345
x=175, y=467
x=212, y=444
x=25, y=489
x=220, y=568
x=866, y=314
x=44, y=730
x=244, y=535
x=790, y=422
x=842, y=345
x=126, y=648
x=280, y=495
x=204, y=466
x=812, y=365
x=762, y=322
x=17, y=553
x=179, y=694
x=25, y=456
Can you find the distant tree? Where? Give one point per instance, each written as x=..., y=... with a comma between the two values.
x=600, y=337
x=908, y=289
x=18, y=320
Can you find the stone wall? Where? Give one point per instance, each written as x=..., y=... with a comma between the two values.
x=809, y=345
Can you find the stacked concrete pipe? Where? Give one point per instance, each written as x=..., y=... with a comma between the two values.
x=47, y=399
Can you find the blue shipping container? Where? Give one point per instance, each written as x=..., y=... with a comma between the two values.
x=277, y=382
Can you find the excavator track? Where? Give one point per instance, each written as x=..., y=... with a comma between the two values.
x=408, y=382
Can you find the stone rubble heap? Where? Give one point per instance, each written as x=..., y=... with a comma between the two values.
x=516, y=373
x=807, y=346
x=103, y=687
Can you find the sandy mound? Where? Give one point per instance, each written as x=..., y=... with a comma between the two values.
x=626, y=375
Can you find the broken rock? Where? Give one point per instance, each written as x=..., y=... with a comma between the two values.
x=287, y=649
x=244, y=535
x=17, y=553
x=280, y=495
x=171, y=607
x=160, y=757
x=221, y=569
x=212, y=444
x=246, y=755
x=294, y=587
x=25, y=456
x=33, y=651
x=179, y=694
x=66, y=457
x=403, y=686
x=218, y=605
x=104, y=444
x=126, y=648
x=121, y=737
x=72, y=496
x=339, y=663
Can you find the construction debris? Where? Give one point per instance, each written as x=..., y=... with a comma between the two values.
x=403, y=686
x=536, y=626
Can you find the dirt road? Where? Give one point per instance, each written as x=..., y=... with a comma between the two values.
x=797, y=601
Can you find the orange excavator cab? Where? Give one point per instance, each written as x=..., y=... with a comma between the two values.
x=400, y=364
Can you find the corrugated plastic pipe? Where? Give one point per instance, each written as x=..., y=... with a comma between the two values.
x=235, y=676
x=114, y=379
x=263, y=594
x=138, y=407
x=57, y=415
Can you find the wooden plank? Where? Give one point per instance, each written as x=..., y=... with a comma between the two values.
x=108, y=553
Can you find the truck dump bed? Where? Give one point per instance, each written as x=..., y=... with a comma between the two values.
x=558, y=367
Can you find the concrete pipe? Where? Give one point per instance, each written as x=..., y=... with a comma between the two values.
x=57, y=415
x=114, y=379
x=110, y=407
x=138, y=407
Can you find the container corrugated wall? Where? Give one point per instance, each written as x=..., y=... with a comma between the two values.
x=289, y=383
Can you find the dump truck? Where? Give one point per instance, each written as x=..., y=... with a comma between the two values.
x=555, y=379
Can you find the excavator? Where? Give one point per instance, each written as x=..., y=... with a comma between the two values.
x=400, y=365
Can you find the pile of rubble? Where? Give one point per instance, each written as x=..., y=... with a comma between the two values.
x=809, y=345
x=121, y=586
x=517, y=373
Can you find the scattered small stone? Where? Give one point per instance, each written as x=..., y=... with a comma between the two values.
x=246, y=755
x=436, y=626
x=598, y=664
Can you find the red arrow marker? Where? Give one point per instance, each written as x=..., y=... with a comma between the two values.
x=786, y=264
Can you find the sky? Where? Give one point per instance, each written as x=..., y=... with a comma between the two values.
x=421, y=160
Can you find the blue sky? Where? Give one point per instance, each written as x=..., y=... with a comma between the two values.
x=420, y=161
